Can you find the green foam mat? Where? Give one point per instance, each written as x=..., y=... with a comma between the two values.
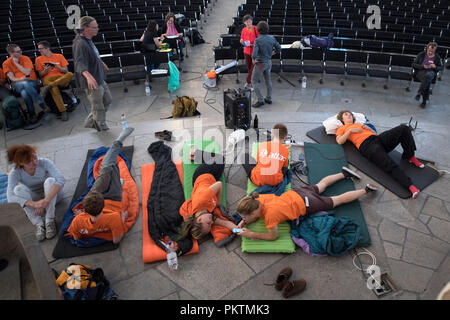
x=250, y=186
x=326, y=159
x=283, y=243
x=189, y=166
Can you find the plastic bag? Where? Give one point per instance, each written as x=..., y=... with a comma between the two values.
x=174, y=79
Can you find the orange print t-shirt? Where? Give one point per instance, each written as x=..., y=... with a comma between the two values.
x=24, y=61
x=355, y=138
x=277, y=209
x=56, y=59
x=2, y=76
x=109, y=226
x=271, y=158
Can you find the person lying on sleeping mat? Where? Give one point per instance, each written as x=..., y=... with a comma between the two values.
x=100, y=214
x=201, y=213
x=272, y=160
x=294, y=203
x=376, y=147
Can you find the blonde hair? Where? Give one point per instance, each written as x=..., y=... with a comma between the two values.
x=83, y=23
x=191, y=227
x=248, y=204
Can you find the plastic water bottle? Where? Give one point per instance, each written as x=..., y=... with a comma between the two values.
x=123, y=119
x=304, y=82
x=74, y=100
x=147, y=89
x=172, y=259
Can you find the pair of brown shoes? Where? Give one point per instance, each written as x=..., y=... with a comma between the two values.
x=291, y=288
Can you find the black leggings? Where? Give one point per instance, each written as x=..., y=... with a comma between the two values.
x=216, y=169
x=376, y=149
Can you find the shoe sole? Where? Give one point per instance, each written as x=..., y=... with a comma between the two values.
x=371, y=188
x=354, y=174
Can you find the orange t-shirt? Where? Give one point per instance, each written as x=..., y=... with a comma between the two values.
x=355, y=138
x=271, y=158
x=2, y=75
x=55, y=58
x=24, y=61
x=202, y=196
x=109, y=226
x=276, y=209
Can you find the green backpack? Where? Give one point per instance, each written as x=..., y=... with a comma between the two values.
x=13, y=114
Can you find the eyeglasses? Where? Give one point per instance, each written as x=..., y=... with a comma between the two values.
x=18, y=51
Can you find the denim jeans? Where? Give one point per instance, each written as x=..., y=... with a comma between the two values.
x=28, y=91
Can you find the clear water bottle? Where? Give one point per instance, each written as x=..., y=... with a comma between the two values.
x=123, y=119
x=74, y=100
x=172, y=259
x=147, y=89
x=304, y=82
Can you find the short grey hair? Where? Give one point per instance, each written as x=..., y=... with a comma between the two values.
x=83, y=23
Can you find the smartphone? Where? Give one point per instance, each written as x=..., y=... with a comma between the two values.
x=237, y=218
x=236, y=230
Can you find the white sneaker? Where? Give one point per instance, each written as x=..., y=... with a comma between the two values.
x=248, y=86
x=50, y=229
x=40, y=232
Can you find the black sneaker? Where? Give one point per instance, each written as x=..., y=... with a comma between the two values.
x=417, y=97
x=267, y=100
x=423, y=104
x=370, y=188
x=258, y=104
x=350, y=173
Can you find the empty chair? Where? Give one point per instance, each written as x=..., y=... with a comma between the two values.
x=226, y=53
x=334, y=62
x=370, y=45
x=312, y=61
x=378, y=66
x=352, y=44
x=119, y=48
x=400, y=68
x=114, y=74
x=356, y=64
x=291, y=60
x=138, y=70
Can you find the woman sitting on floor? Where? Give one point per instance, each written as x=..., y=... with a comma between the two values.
x=37, y=185
x=376, y=147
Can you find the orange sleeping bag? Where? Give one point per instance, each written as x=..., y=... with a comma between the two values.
x=130, y=194
x=150, y=251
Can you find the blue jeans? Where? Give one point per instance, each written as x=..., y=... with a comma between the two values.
x=28, y=91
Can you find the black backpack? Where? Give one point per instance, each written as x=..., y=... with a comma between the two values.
x=68, y=103
x=195, y=37
x=13, y=114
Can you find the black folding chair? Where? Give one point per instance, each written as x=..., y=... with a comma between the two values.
x=315, y=62
x=226, y=53
x=378, y=66
x=135, y=60
x=114, y=74
x=336, y=56
x=400, y=67
x=353, y=62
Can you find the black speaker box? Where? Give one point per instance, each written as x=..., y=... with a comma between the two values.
x=237, y=108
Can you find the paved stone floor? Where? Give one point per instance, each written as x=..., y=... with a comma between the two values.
x=410, y=238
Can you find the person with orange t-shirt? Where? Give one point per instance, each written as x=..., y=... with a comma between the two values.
x=201, y=213
x=101, y=213
x=293, y=204
x=376, y=147
x=52, y=68
x=248, y=36
x=272, y=160
x=20, y=71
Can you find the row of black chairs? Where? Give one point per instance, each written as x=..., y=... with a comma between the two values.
x=333, y=61
x=351, y=44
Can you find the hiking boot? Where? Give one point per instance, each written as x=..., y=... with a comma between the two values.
x=50, y=229
x=268, y=100
x=294, y=287
x=423, y=104
x=40, y=232
x=45, y=107
x=258, y=104
x=415, y=192
x=416, y=162
x=370, y=188
x=164, y=135
x=350, y=173
x=44, y=91
x=283, y=278
x=64, y=116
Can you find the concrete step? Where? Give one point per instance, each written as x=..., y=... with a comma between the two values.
x=10, y=286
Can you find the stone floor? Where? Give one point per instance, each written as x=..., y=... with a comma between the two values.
x=410, y=238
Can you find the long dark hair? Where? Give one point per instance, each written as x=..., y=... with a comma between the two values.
x=151, y=26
